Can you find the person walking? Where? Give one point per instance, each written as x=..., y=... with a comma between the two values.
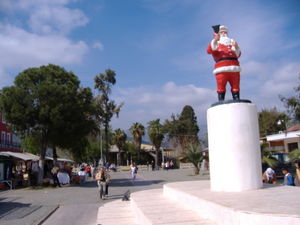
x=133, y=171
x=54, y=172
x=103, y=179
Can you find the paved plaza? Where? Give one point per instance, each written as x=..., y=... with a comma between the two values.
x=78, y=205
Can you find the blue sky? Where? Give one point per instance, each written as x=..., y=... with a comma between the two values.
x=156, y=47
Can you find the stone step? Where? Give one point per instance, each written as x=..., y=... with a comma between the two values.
x=148, y=207
x=116, y=212
x=276, y=205
x=152, y=208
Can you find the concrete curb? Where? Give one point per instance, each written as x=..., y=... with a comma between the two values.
x=46, y=217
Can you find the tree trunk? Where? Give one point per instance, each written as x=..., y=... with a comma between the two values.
x=139, y=152
x=197, y=170
x=42, y=162
x=119, y=158
x=156, y=158
x=106, y=143
x=54, y=155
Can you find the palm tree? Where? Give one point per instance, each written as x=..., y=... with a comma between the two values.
x=119, y=138
x=156, y=135
x=294, y=155
x=138, y=131
x=194, y=156
x=105, y=108
x=267, y=156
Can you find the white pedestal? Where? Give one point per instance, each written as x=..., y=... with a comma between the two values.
x=234, y=149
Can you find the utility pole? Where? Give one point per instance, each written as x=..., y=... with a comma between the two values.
x=101, y=150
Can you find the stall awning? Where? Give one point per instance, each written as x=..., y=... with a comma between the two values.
x=60, y=159
x=20, y=155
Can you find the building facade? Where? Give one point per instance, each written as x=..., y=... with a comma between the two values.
x=8, y=141
x=285, y=141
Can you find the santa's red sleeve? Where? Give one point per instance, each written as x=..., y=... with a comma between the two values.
x=211, y=47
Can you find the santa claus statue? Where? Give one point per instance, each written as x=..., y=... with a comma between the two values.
x=225, y=52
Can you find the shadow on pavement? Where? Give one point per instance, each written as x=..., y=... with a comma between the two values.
x=16, y=210
x=129, y=182
x=87, y=184
x=119, y=183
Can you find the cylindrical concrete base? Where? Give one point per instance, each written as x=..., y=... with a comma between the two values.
x=234, y=150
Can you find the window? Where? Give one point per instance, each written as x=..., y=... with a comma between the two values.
x=292, y=146
x=8, y=138
x=1, y=171
x=3, y=137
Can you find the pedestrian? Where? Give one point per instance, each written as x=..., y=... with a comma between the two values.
x=167, y=166
x=288, y=178
x=269, y=176
x=133, y=171
x=82, y=175
x=87, y=170
x=171, y=165
x=297, y=176
x=148, y=165
x=103, y=179
x=92, y=171
x=54, y=172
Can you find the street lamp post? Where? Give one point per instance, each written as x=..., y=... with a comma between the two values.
x=282, y=123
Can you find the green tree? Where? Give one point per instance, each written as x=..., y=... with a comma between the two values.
x=119, y=138
x=31, y=143
x=292, y=104
x=271, y=121
x=294, y=155
x=131, y=152
x=183, y=129
x=75, y=123
x=105, y=107
x=138, y=131
x=45, y=102
x=156, y=136
x=194, y=156
x=267, y=155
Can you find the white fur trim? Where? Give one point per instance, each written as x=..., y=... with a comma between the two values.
x=236, y=50
x=213, y=45
x=227, y=69
x=222, y=27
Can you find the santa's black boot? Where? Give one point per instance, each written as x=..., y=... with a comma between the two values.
x=236, y=95
x=221, y=96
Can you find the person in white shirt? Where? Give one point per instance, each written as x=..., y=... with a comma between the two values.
x=133, y=171
x=269, y=176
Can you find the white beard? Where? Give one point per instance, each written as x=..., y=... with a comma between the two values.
x=224, y=40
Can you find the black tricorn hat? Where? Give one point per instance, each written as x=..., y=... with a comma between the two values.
x=216, y=28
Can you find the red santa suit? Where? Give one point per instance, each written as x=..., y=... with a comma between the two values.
x=227, y=67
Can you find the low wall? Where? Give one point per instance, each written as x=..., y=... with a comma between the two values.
x=127, y=168
x=186, y=165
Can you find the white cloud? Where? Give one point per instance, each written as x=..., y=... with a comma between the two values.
x=57, y=19
x=143, y=105
x=282, y=81
x=6, y=80
x=21, y=48
x=47, y=16
x=46, y=42
x=98, y=45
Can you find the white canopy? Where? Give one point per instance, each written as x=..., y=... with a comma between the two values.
x=21, y=155
x=59, y=159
